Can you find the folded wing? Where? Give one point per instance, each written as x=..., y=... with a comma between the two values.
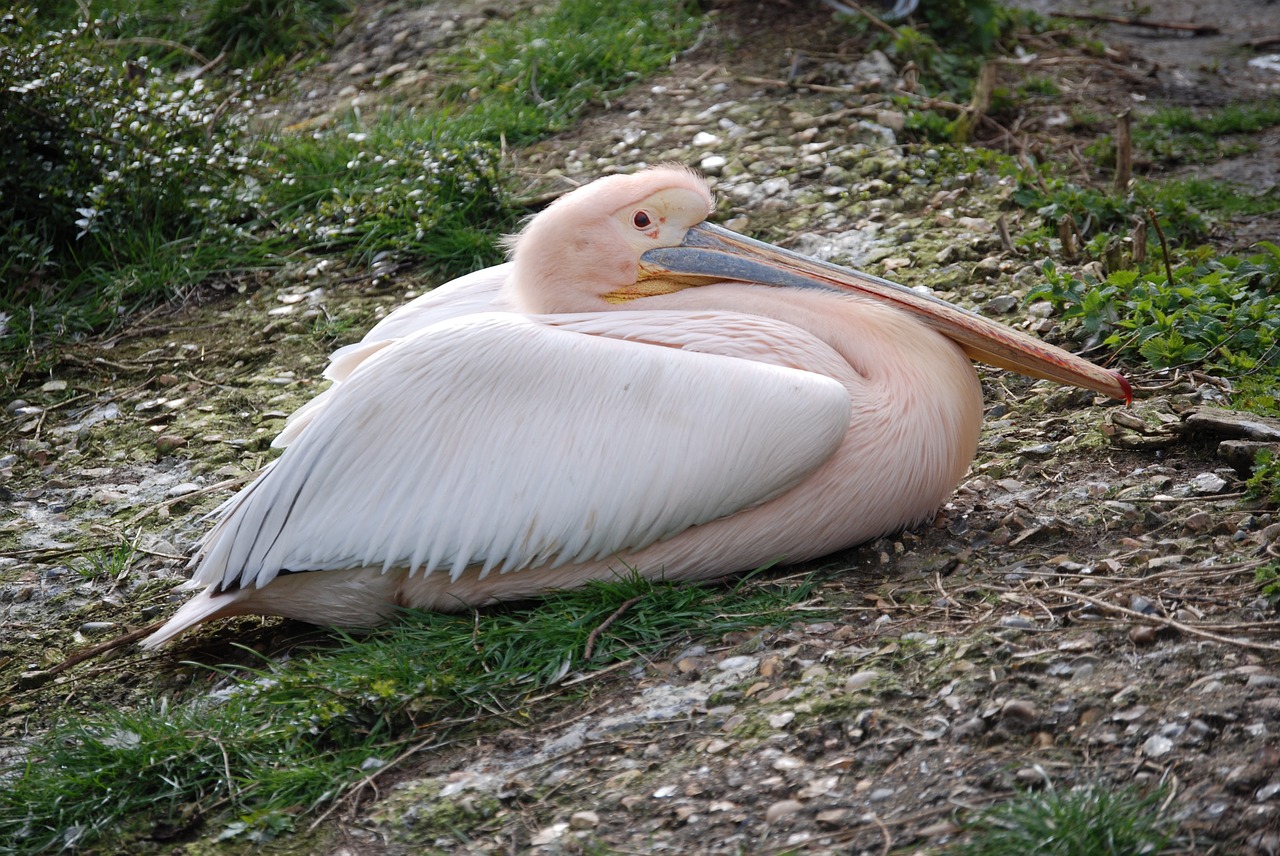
x=512, y=442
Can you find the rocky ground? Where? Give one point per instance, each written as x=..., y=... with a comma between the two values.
x=1084, y=610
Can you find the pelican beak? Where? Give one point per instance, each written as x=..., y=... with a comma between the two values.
x=714, y=254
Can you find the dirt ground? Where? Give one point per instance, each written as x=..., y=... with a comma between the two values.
x=1083, y=610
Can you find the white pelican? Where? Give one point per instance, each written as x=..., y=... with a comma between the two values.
x=634, y=389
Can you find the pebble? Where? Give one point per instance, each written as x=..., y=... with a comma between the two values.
x=1156, y=746
x=782, y=810
x=167, y=443
x=1018, y=709
x=785, y=763
x=833, y=818
x=584, y=820
x=1207, y=483
x=182, y=489
x=782, y=720
x=1142, y=634
x=860, y=680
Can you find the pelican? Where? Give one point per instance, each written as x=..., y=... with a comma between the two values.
x=634, y=389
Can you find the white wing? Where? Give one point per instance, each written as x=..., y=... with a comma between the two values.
x=479, y=291
x=510, y=442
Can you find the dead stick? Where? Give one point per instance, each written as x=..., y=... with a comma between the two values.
x=102, y=648
x=1164, y=246
x=1194, y=29
x=1161, y=620
x=1124, y=152
x=604, y=625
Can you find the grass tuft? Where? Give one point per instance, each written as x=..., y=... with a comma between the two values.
x=1093, y=820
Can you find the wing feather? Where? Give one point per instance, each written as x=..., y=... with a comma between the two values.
x=512, y=442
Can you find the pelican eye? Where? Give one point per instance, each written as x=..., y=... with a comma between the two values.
x=641, y=220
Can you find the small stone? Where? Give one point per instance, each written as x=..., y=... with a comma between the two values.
x=1198, y=521
x=860, y=680
x=781, y=720
x=1001, y=305
x=182, y=489
x=1138, y=603
x=1156, y=746
x=549, y=835
x=880, y=794
x=1142, y=635
x=770, y=666
x=584, y=820
x=1207, y=483
x=787, y=762
x=702, y=139
x=1018, y=709
x=836, y=818
x=743, y=661
x=782, y=810
x=166, y=443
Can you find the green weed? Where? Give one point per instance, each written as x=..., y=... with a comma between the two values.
x=1264, y=483
x=1222, y=313
x=1094, y=820
x=284, y=741
x=108, y=564
x=1268, y=577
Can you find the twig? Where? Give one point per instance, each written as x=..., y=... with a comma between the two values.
x=884, y=830
x=102, y=648
x=228, y=483
x=1006, y=240
x=1165, y=622
x=848, y=8
x=604, y=625
x=1164, y=246
x=1124, y=151
x=1193, y=29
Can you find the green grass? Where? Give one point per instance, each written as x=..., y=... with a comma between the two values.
x=1095, y=820
x=176, y=32
x=284, y=742
x=537, y=74
x=1175, y=135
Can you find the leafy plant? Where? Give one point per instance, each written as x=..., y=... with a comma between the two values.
x=1264, y=483
x=118, y=182
x=1223, y=312
x=1268, y=576
x=1094, y=820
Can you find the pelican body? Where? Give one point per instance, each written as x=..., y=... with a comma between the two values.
x=634, y=389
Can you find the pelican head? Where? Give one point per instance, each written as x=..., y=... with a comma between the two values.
x=627, y=237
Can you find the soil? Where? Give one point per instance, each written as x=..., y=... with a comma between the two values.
x=1083, y=611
